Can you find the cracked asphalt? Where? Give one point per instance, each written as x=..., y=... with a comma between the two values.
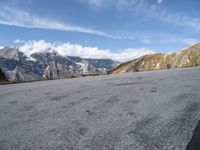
x=157, y=110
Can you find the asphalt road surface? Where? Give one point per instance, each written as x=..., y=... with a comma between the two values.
x=157, y=110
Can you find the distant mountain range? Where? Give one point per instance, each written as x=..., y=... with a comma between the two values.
x=188, y=57
x=17, y=66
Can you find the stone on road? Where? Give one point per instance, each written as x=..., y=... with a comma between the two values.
x=157, y=110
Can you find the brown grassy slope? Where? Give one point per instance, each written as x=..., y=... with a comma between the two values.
x=188, y=57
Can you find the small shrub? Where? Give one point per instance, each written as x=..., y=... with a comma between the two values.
x=168, y=66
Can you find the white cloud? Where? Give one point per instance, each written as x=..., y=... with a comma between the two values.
x=180, y=20
x=20, y=1
x=172, y=18
x=97, y=3
x=94, y=4
x=159, y=1
x=119, y=4
x=163, y=38
x=21, y=18
x=68, y=49
x=18, y=41
x=15, y=2
x=148, y=11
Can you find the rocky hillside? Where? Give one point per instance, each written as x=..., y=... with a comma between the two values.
x=188, y=57
x=2, y=77
x=48, y=65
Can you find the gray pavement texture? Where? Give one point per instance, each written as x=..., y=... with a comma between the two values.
x=133, y=111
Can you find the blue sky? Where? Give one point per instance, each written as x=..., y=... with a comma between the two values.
x=138, y=26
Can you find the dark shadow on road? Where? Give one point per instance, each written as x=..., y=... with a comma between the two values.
x=124, y=84
x=194, y=143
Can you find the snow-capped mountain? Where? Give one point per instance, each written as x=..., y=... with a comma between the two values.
x=49, y=65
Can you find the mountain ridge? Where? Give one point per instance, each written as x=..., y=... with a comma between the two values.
x=17, y=66
x=187, y=57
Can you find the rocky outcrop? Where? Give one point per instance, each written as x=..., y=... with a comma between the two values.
x=2, y=77
x=188, y=57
